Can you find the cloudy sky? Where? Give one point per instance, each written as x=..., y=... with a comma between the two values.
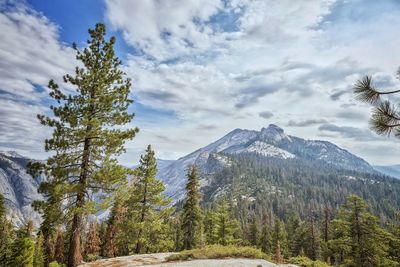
x=201, y=68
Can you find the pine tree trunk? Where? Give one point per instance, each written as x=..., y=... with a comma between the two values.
x=74, y=254
x=139, y=244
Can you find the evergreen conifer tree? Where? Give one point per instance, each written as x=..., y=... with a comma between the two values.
x=210, y=222
x=292, y=226
x=86, y=137
x=49, y=250
x=6, y=236
x=358, y=237
x=39, y=257
x=226, y=225
x=254, y=232
x=279, y=237
x=266, y=242
x=92, y=246
x=394, y=242
x=109, y=247
x=23, y=247
x=191, y=213
x=278, y=253
x=59, y=249
x=147, y=216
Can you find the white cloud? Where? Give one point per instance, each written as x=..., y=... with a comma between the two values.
x=31, y=55
x=297, y=59
x=217, y=65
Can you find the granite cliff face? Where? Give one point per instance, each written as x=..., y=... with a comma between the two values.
x=18, y=187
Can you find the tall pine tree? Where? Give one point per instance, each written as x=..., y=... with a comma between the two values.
x=59, y=249
x=23, y=247
x=358, y=239
x=92, y=246
x=6, y=236
x=86, y=137
x=110, y=247
x=279, y=238
x=38, y=258
x=191, y=212
x=226, y=225
x=146, y=212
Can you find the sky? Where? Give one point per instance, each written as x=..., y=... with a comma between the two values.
x=201, y=68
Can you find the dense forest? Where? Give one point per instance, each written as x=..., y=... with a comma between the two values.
x=295, y=185
x=141, y=221
x=288, y=209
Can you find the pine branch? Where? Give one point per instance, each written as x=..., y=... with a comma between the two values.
x=385, y=118
x=366, y=92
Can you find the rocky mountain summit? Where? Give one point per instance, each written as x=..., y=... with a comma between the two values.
x=270, y=142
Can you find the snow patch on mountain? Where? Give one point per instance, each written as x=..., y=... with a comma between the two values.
x=264, y=149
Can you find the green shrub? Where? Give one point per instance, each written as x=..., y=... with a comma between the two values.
x=92, y=257
x=219, y=252
x=56, y=264
x=306, y=262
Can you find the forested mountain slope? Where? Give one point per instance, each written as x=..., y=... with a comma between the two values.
x=270, y=142
x=296, y=185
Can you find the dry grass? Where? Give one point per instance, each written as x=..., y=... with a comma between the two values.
x=219, y=252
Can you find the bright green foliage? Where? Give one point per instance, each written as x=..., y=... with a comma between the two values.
x=23, y=247
x=38, y=258
x=86, y=137
x=358, y=239
x=220, y=252
x=191, y=213
x=279, y=238
x=226, y=226
x=55, y=264
x=210, y=226
x=146, y=220
x=6, y=236
x=306, y=262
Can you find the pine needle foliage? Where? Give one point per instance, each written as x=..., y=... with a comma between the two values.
x=147, y=216
x=385, y=118
x=191, y=213
x=87, y=134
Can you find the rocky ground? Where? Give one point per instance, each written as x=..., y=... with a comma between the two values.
x=158, y=260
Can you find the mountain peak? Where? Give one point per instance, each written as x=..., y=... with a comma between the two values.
x=273, y=127
x=273, y=132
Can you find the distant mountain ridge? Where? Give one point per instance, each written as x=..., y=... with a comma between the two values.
x=20, y=189
x=391, y=170
x=269, y=142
